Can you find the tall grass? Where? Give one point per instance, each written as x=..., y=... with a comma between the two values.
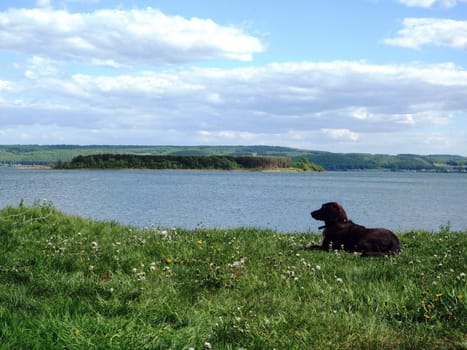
x=72, y=283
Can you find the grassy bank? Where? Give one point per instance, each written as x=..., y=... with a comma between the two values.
x=67, y=282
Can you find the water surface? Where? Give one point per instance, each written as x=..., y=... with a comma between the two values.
x=280, y=201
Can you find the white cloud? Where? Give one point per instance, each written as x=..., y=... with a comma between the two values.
x=417, y=32
x=343, y=134
x=430, y=3
x=306, y=104
x=37, y=67
x=4, y=85
x=117, y=37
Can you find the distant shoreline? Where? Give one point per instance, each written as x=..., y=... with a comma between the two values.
x=45, y=155
x=33, y=167
x=291, y=170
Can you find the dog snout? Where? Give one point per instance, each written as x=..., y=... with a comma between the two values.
x=317, y=214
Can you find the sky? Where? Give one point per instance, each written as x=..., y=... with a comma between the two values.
x=367, y=76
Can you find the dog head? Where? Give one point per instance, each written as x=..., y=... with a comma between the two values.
x=330, y=213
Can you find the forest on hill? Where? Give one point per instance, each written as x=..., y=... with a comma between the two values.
x=52, y=154
x=132, y=161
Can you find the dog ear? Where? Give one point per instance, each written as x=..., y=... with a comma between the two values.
x=339, y=210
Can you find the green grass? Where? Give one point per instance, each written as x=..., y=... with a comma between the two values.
x=72, y=283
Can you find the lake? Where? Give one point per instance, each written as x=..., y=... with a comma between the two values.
x=399, y=201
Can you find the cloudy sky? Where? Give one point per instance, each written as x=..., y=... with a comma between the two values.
x=373, y=76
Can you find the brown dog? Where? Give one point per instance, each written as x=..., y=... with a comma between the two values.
x=341, y=233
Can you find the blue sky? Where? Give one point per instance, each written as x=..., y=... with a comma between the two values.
x=373, y=76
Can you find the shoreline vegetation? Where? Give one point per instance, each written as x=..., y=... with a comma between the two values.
x=159, y=162
x=70, y=282
x=50, y=155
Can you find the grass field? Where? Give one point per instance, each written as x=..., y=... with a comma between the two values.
x=72, y=283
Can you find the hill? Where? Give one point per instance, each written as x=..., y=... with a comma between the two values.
x=52, y=154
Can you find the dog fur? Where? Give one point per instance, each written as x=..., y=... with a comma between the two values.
x=341, y=233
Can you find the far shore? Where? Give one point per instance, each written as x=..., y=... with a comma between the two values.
x=33, y=167
x=266, y=170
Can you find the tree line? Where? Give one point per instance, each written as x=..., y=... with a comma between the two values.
x=134, y=161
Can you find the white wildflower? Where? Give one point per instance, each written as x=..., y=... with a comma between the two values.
x=238, y=264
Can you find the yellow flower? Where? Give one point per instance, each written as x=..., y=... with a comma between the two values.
x=426, y=316
x=200, y=242
x=438, y=295
x=460, y=296
x=169, y=260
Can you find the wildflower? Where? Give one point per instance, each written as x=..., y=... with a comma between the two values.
x=169, y=260
x=207, y=346
x=94, y=245
x=439, y=295
x=317, y=267
x=200, y=242
x=91, y=268
x=339, y=280
x=427, y=317
x=141, y=276
x=460, y=296
x=238, y=264
x=152, y=266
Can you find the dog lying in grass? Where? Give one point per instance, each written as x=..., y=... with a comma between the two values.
x=341, y=233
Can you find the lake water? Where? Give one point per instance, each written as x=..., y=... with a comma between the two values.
x=279, y=201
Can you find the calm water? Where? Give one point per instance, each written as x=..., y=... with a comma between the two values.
x=280, y=201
